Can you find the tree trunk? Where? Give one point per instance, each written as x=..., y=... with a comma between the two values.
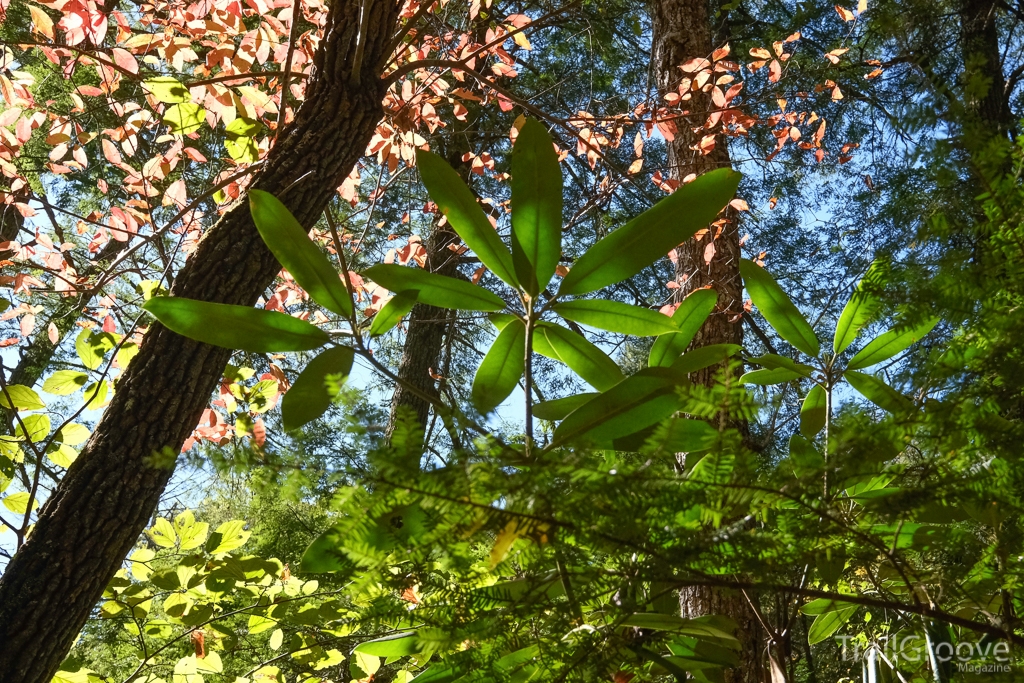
x=423, y=341
x=988, y=113
x=428, y=324
x=682, y=31
x=95, y=516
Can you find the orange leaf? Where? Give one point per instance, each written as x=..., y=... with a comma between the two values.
x=844, y=13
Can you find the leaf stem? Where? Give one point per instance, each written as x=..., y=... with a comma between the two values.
x=528, y=373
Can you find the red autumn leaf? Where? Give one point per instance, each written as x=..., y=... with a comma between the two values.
x=774, y=71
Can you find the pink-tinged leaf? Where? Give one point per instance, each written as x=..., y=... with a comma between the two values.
x=718, y=98
x=53, y=333
x=176, y=193
x=695, y=65
x=111, y=152
x=709, y=252
x=774, y=71
x=27, y=324
x=109, y=325
x=125, y=60
x=739, y=204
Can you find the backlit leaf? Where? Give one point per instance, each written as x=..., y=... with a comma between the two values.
x=583, y=357
x=290, y=243
x=649, y=236
x=310, y=395
x=636, y=402
x=777, y=308
x=21, y=397
x=688, y=319
x=434, y=290
x=456, y=201
x=501, y=368
x=858, y=310
x=235, y=327
x=888, y=344
x=392, y=313
x=615, y=316
x=813, y=412
x=878, y=392
x=536, y=207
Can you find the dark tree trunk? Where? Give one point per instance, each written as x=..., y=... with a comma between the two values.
x=682, y=31
x=428, y=325
x=425, y=336
x=988, y=113
x=95, y=516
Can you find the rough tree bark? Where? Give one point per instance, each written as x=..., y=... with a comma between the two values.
x=988, y=114
x=682, y=31
x=94, y=517
x=425, y=336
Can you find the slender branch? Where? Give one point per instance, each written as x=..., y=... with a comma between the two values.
x=292, y=37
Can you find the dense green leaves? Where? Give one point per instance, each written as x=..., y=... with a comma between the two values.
x=583, y=357
x=392, y=313
x=888, y=344
x=457, y=203
x=688, y=319
x=536, y=207
x=291, y=245
x=311, y=394
x=435, y=290
x=777, y=308
x=235, y=327
x=615, y=316
x=651, y=235
x=501, y=368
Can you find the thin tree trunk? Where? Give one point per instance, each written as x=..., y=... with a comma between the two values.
x=682, y=31
x=425, y=336
x=95, y=516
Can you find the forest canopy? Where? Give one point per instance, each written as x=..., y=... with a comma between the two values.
x=436, y=341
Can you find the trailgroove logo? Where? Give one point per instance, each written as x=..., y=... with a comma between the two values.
x=965, y=656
